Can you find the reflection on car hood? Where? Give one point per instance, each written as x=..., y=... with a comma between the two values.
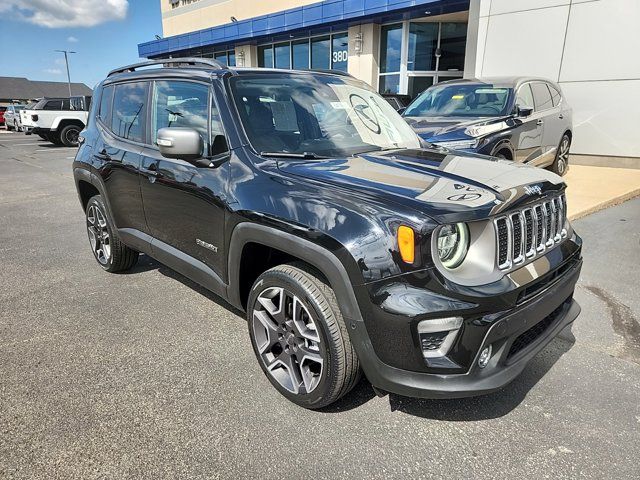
x=443, y=184
x=431, y=127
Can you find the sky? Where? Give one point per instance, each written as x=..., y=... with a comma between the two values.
x=104, y=33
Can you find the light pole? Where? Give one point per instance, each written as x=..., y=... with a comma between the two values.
x=66, y=61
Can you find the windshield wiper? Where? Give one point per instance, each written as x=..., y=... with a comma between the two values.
x=303, y=155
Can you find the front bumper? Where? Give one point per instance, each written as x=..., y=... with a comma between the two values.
x=516, y=336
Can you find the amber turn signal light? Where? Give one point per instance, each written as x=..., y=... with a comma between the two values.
x=406, y=243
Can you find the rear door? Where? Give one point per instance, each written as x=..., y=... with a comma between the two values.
x=121, y=121
x=527, y=138
x=555, y=125
x=184, y=204
x=546, y=113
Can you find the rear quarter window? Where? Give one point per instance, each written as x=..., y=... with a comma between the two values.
x=104, y=110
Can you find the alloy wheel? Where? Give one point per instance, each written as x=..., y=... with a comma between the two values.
x=98, y=234
x=287, y=340
x=563, y=155
x=71, y=136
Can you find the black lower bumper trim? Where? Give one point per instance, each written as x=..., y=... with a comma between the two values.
x=536, y=323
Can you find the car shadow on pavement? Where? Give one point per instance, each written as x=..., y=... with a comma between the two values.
x=493, y=405
x=484, y=407
x=146, y=263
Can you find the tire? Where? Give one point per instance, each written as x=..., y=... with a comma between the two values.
x=329, y=367
x=560, y=164
x=69, y=135
x=9, y=127
x=54, y=138
x=109, y=251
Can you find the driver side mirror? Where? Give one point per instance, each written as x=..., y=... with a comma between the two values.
x=181, y=143
x=523, y=111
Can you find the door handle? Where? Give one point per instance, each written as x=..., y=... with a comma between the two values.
x=561, y=116
x=540, y=122
x=151, y=171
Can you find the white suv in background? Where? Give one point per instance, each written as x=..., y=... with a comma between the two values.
x=59, y=120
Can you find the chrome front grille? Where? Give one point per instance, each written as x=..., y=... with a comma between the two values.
x=526, y=233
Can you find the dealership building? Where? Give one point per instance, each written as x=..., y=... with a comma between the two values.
x=590, y=47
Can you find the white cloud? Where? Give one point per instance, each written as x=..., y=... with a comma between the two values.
x=65, y=13
x=53, y=71
x=72, y=39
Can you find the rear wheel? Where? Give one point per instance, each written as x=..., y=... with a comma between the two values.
x=108, y=250
x=561, y=162
x=300, y=337
x=69, y=135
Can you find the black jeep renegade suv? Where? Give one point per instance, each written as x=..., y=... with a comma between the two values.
x=303, y=198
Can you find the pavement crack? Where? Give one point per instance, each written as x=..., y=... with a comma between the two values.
x=624, y=323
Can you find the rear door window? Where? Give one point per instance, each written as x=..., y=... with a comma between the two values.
x=129, y=110
x=541, y=96
x=53, y=105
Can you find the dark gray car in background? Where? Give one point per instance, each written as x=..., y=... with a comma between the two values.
x=522, y=119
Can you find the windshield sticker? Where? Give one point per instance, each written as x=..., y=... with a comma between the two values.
x=284, y=116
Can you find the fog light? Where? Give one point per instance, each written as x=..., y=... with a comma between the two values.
x=485, y=355
x=437, y=335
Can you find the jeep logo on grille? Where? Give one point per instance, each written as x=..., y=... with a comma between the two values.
x=533, y=189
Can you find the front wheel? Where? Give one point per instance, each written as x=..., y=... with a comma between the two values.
x=107, y=248
x=300, y=337
x=561, y=162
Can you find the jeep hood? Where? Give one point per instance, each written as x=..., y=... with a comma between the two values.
x=443, y=184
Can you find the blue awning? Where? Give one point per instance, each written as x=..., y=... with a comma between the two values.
x=317, y=17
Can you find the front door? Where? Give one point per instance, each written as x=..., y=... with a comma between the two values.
x=528, y=133
x=184, y=205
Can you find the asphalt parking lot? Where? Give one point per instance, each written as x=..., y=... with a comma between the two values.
x=146, y=375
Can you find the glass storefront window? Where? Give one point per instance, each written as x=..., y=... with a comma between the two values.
x=340, y=52
x=423, y=41
x=322, y=53
x=300, y=54
x=390, y=48
x=228, y=57
x=453, y=41
x=409, y=50
x=417, y=85
x=320, y=49
x=265, y=56
x=282, y=55
x=389, y=84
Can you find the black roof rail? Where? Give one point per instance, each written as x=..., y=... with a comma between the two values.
x=328, y=70
x=209, y=62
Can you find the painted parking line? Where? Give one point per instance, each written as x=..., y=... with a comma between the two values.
x=51, y=150
x=22, y=144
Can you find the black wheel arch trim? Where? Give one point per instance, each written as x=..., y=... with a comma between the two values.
x=502, y=145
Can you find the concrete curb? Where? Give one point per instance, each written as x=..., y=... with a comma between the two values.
x=606, y=204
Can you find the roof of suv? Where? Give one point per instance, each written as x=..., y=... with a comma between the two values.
x=506, y=82
x=202, y=67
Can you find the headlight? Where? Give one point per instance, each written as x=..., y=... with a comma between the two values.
x=458, y=144
x=453, y=243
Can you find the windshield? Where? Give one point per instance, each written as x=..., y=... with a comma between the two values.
x=317, y=114
x=461, y=101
